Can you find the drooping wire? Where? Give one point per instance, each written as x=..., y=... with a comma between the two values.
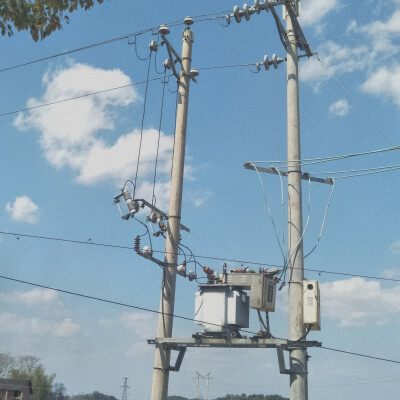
x=134, y=43
x=142, y=125
x=310, y=161
x=270, y=214
x=323, y=221
x=359, y=106
x=155, y=58
x=171, y=314
x=153, y=198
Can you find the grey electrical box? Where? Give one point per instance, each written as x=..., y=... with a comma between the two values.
x=311, y=305
x=263, y=293
x=219, y=308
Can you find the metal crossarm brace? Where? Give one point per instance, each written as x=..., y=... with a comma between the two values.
x=304, y=175
x=158, y=211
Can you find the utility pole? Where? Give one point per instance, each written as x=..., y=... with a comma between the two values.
x=207, y=380
x=165, y=319
x=298, y=356
x=197, y=385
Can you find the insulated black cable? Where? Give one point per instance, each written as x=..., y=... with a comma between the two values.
x=90, y=243
x=153, y=199
x=77, y=97
x=141, y=128
x=176, y=316
x=174, y=23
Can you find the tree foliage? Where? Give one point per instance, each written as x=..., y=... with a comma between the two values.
x=41, y=383
x=7, y=362
x=40, y=17
x=93, y=396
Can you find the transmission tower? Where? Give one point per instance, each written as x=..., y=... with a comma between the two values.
x=125, y=389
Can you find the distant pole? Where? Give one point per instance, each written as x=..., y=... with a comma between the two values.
x=165, y=319
x=298, y=356
x=208, y=379
x=197, y=385
x=125, y=389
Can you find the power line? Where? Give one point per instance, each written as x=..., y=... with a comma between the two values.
x=361, y=355
x=111, y=89
x=174, y=315
x=261, y=264
x=359, y=106
x=77, y=97
x=112, y=40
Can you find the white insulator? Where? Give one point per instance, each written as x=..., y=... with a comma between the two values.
x=152, y=217
x=153, y=45
x=257, y=4
x=147, y=252
x=236, y=14
x=191, y=275
x=181, y=269
x=188, y=21
x=163, y=30
x=246, y=11
x=266, y=62
x=274, y=61
x=194, y=72
x=167, y=63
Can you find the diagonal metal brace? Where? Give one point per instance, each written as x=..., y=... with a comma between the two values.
x=179, y=358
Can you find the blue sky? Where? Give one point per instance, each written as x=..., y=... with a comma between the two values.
x=63, y=164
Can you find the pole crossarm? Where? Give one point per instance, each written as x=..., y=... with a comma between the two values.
x=235, y=343
x=304, y=175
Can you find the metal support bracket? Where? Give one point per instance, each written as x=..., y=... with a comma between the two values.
x=179, y=358
x=304, y=175
x=254, y=342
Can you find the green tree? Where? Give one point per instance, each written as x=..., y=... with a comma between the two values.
x=40, y=17
x=41, y=383
x=93, y=396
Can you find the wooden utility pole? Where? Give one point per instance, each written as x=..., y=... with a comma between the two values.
x=298, y=356
x=165, y=320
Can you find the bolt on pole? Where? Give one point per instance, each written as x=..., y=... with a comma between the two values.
x=298, y=356
x=165, y=320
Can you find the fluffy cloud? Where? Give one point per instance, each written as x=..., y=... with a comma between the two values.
x=14, y=324
x=77, y=134
x=394, y=248
x=384, y=82
x=358, y=302
x=339, y=108
x=23, y=210
x=312, y=11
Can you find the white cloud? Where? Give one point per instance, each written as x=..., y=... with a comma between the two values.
x=394, y=248
x=339, y=108
x=358, y=302
x=199, y=197
x=312, y=11
x=77, y=134
x=16, y=325
x=23, y=210
x=384, y=82
x=36, y=297
x=391, y=273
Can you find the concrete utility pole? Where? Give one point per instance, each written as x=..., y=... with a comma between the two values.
x=165, y=320
x=298, y=356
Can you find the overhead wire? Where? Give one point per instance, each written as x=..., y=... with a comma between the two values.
x=112, y=40
x=153, y=198
x=359, y=106
x=145, y=309
x=142, y=124
x=78, y=97
x=249, y=262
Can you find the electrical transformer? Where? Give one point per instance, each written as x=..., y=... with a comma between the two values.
x=311, y=305
x=221, y=309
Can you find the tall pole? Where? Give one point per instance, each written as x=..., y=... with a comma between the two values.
x=165, y=320
x=298, y=356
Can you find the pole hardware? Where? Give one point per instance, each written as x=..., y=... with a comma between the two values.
x=174, y=57
x=275, y=171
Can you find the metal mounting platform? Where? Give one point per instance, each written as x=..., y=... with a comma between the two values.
x=254, y=342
